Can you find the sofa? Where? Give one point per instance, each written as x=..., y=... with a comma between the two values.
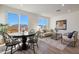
x=47, y=32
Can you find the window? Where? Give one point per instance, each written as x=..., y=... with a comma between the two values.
x=42, y=22
x=12, y=21
x=23, y=23
x=17, y=23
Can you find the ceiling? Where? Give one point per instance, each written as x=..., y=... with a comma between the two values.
x=48, y=10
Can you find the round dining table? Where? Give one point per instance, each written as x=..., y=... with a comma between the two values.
x=24, y=40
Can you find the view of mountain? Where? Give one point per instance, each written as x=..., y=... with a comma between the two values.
x=14, y=28
x=21, y=25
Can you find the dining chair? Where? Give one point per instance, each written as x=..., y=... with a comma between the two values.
x=9, y=41
x=33, y=41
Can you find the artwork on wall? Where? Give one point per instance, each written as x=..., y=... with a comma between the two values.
x=61, y=24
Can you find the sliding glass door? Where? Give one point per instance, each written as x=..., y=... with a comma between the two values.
x=23, y=23
x=12, y=22
x=17, y=23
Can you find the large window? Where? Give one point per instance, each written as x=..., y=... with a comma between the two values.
x=43, y=22
x=12, y=22
x=23, y=23
x=17, y=23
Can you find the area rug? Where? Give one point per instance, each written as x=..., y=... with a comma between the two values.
x=54, y=43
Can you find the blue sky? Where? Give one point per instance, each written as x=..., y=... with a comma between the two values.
x=42, y=21
x=24, y=20
x=13, y=19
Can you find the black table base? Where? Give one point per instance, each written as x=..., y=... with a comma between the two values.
x=24, y=40
x=24, y=45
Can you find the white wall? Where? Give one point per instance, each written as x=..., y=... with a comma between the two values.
x=2, y=15
x=33, y=18
x=72, y=21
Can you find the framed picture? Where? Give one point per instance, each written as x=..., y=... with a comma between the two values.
x=61, y=24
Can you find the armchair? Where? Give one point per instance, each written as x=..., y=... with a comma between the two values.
x=70, y=40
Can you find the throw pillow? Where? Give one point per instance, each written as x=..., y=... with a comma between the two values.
x=70, y=34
